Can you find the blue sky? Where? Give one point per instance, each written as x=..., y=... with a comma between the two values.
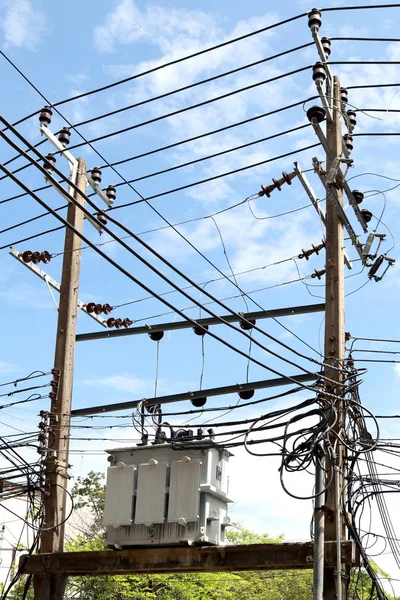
x=69, y=48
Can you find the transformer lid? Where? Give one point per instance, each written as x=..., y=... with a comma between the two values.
x=178, y=445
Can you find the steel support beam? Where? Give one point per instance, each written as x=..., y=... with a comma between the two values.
x=190, y=559
x=220, y=391
x=262, y=314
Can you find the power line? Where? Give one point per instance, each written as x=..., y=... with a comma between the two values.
x=187, y=108
x=160, y=117
x=34, y=236
x=213, y=178
x=136, y=191
x=163, y=66
x=204, y=283
x=33, y=375
x=222, y=153
x=31, y=237
x=171, y=266
x=190, y=86
x=364, y=39
x=372, y=85
x=204, y=51
x=167, y=147
x=144, y=244
x=269, y=287
x=165, y=193
x=144, y=286
x=362, y=7
x=366, y=339
x=206, y=134
x=162, y=148
x=221, y=97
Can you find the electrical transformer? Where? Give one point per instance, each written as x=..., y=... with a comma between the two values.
x=167, y=494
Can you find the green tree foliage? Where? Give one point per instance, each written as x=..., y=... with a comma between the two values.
x=270, y=585
x=88, y=492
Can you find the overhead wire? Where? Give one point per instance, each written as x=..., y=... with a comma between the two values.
x=202, y=52
x=172, y=145
x=158, y=67
x=134, y=279
x=126, y=230
x=32, y=375
x=146, y=200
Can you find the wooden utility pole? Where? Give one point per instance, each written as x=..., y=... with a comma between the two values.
x=52, y=537
x=334, y=344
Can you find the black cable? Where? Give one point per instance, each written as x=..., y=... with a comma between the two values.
x=31, y=220
x=156, y=228
x=195, y=54
x=111, y=165
x=217, y=98
x=31, y=398
x=32, y=375
x=206, y=134
x=34, y=387
x=222, y=153
x=375, y=133
x=364, y=39
x=361, y=7
x=189, y=185
x=31, y=237
x=141, y=242
x=190, y=86
x=171, y=266
x=270, y=287
x=154, y=69
x=372, y=85
x=172, y=191
x=150, y=205
x=134, y=279
x=186, y=108
x=162, y=148
x=201, y=283
x=161, y=194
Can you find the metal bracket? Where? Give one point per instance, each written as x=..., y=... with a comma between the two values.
x=73, y=164
x=324, y=100
x=310, y=192
x=329, y=78
x=370, y=240
x=97, y=189
x=328, y=511
x=315, y=202
x=53, y=283
x=46, y=279
x=346, y=189
x=334, y=171
x=332, y=194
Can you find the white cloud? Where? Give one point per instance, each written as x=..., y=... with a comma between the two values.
x=121, y=25
x=23, y=25
x=120, y=383
x=7, y=367
x=26, y=295
x=268, y=508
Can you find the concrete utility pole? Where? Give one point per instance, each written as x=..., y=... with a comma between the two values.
x=334, y=584
x=52, y=537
